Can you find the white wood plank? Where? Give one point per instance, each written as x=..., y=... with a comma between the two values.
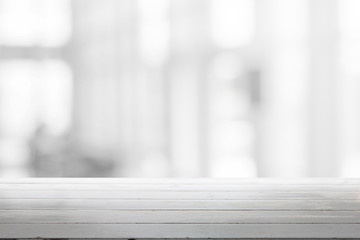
x=182, y=187
x=128, y=231
x=179, y=208
x=209, y=195
x=191, y=181
x=177, y=217
x=119, y=204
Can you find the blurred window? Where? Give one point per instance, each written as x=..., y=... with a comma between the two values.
x=35, y=80
x=349, y=88
x=231, y=126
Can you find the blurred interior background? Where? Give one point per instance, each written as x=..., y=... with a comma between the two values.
x=179, y=88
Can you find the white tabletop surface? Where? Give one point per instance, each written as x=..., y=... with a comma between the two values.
x=179, y=208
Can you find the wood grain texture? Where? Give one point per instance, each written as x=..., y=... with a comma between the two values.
x=179, y=208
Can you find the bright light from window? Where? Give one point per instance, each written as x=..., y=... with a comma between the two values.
x=232, y=22
x=33, y=92
x=17, y=100
x=349, y=18
x=231, y=133
x=35, y=22
x=349, y=86
x=154, y=32
x=56, y=89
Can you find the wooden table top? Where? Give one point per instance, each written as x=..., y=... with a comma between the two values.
x=179, y=208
